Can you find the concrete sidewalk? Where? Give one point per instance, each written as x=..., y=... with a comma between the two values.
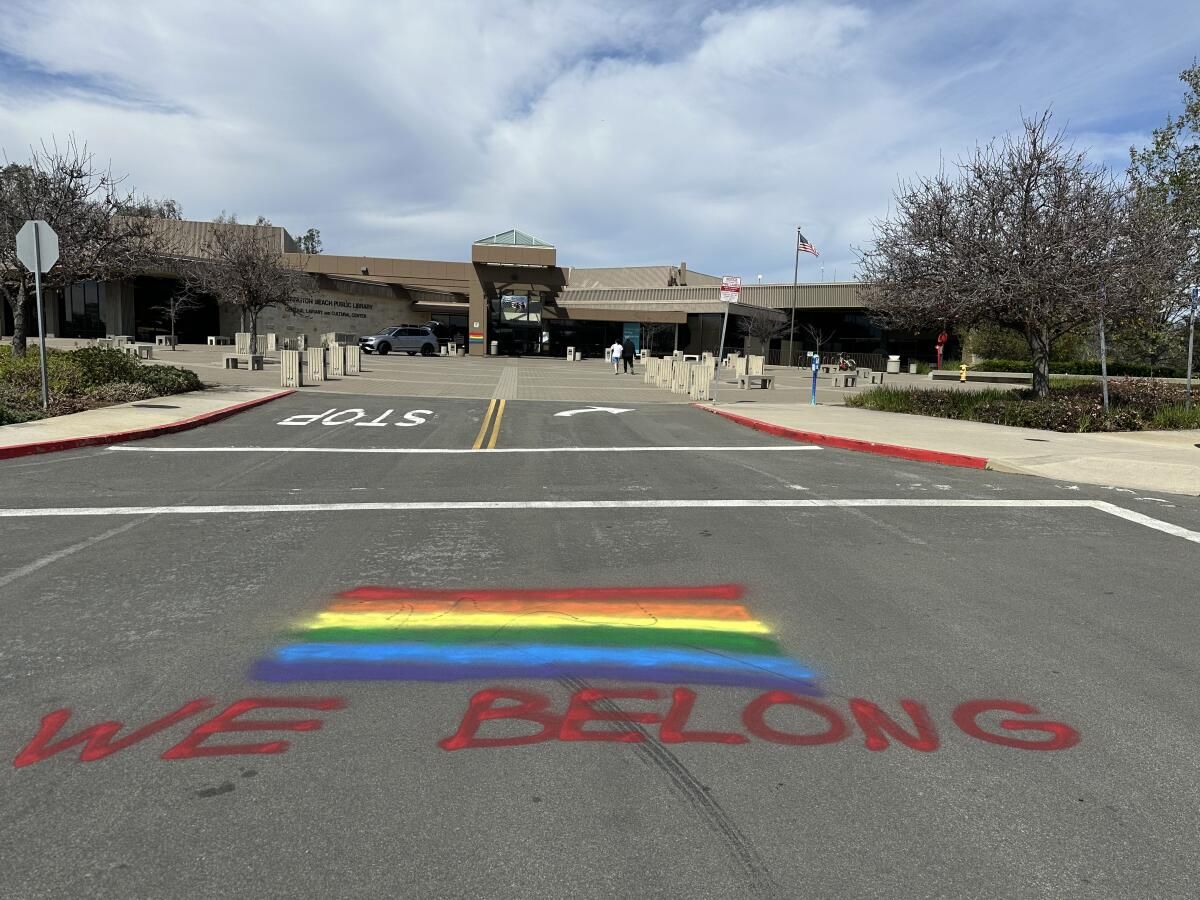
x=1146, y=460
x=129, y=421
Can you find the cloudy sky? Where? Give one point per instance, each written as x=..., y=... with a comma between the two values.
x=623, y=132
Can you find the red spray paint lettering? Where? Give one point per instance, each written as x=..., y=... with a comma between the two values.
x=826, y=725
x=100, y=740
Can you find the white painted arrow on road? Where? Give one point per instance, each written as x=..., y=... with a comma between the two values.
x=615, y=410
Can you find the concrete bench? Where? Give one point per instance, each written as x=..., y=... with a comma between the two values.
x=875, y=377
x=765, y=382
x=829, y=370
x=233, y=361
x=141, y=351
x=219, y=340
x=845, y=379
x=164, y=340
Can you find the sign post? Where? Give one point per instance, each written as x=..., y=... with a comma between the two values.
x=37, y=249
x=1191, y=340
x=731, y=289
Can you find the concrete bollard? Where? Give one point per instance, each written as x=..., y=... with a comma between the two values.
x=260, y=344
x=452, y=349
x=354, y=360
x=739, y=366
x=241, y=341
x=337, y=360
x=315, y=357
x=301, y=342
x=570, y=354
x=291, y=372
x=272, y=342
x=443, y=350
x=756, y=365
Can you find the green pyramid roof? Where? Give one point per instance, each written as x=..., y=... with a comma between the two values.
x=514, y=238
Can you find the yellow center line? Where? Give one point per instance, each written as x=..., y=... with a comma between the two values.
x=496, y=424
x=483, y=428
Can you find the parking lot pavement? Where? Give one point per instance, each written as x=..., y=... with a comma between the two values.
x=952, y=698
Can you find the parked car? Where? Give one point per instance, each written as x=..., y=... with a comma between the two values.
x=403, y=339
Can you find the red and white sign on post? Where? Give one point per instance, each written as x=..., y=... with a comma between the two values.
x=731, y=289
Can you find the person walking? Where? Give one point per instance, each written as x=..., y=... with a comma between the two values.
x=615, y=353
x=628, y=354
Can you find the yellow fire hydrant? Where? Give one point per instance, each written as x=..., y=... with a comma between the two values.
x=962, y=373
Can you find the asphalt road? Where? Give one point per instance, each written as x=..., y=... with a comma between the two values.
x=135, y=580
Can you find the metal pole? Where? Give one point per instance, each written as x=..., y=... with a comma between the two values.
x=795, y=288
x=37, y=282
x=720, y=350
x=1191, y=340
x=1103, y=364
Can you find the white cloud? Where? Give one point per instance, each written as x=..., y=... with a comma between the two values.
x=628, y=132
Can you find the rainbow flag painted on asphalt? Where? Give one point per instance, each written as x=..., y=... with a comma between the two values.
x=681, y=635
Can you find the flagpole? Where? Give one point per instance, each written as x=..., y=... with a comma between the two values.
x=795, y=283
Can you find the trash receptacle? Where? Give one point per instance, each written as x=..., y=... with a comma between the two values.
x=912, y=368
x=893, y=365
x=570, y=354
x=495, y=348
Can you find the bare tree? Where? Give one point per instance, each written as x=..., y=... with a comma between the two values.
x=83, y=204
x=819, y=335
x=761, y=325
x=175, y=307
x=1023, y=234
x=243, y=266
x=652, y=331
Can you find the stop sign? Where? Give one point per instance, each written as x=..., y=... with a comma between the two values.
x=37, y=246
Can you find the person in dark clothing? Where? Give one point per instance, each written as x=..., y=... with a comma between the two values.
x=628, y=352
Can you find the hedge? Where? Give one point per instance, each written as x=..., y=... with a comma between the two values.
x=1136, y=404
x=83, y=379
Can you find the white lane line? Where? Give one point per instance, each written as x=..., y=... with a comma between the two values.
x=431, y=450
x=525, y=505
x=1141, y=519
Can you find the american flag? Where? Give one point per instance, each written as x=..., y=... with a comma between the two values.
x=803, y=246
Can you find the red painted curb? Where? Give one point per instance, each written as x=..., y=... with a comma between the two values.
x=916, y=454
x=119, y=437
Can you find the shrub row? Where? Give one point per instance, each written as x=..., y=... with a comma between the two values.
x=1135, y=404
x=1080, y=367
x=83, y=379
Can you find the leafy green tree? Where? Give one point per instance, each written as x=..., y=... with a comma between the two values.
x=310, y=241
